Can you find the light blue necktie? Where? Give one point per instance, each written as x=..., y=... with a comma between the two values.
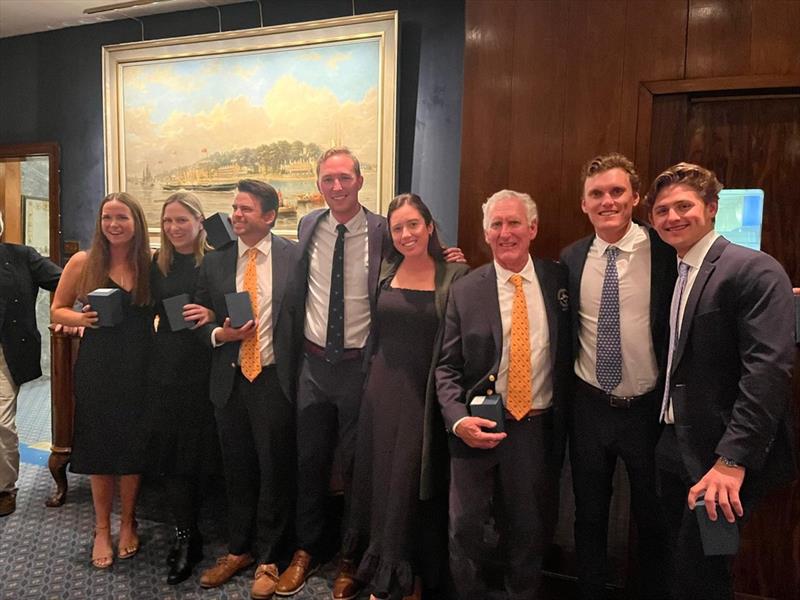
x=674, y=330
x=608, y=366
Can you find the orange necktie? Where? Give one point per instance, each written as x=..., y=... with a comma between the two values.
x=250, y=353
x=518, y=402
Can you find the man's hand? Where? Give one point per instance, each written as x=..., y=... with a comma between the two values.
x=721, y=486
x=231, y=334
x=469, y=430
x=454, y=254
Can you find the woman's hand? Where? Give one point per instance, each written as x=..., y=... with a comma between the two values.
x=198, y=313
x=88, y=316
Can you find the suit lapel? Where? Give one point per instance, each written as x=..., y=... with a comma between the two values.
x=280, y=272
x=375, y=232
x=487, y=298
x=576, y=270
x=550, y=298
x=703, y=275
x=228, y=275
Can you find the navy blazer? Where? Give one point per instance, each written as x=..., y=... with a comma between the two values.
x=216, y=278
x=663, y=272
x=472, y=341
x=379, y=246
x=732, y=369
x=22, y=272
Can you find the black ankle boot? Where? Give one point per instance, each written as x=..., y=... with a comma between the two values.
x=189, y=552
x=173, y=549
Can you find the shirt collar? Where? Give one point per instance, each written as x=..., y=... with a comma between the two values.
x=697, y=253
x=263, y=245
x=527, y=272
x=635, y=235
x=357, y=223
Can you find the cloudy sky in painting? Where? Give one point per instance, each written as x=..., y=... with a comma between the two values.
x=172, y=110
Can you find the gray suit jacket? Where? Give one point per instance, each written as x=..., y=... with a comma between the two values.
x=732, y=370
x=217, y=277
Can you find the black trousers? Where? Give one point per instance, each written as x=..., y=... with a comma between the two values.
x=693, y=574
x=599, y=434
x=503, y=505
x=256, y=437
x=328, y=403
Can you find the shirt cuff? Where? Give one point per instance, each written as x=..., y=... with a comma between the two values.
x=456, y=424
x=214, y=343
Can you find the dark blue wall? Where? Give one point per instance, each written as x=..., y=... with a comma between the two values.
x=52, y=91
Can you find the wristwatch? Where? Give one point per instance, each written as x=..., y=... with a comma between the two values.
x=729, y=462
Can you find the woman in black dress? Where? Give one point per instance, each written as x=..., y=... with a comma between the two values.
x=110, y=424
x=184, y=417
x=400, y=512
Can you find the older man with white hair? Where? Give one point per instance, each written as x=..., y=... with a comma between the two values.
x=506, y=333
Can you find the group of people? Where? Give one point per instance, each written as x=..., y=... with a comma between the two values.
x=657, y=345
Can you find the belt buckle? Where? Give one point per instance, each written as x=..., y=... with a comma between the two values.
x=619, y=401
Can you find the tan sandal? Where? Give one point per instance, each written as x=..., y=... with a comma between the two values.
x=129, y=550
x=103, y=561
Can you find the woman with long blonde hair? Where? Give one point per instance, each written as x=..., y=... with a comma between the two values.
x=111, y=401
x=184, y=416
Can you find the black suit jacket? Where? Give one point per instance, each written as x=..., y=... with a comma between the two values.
x=217, y=277
x=22, y=272
x=663, y=272
x=379, y=246
x=732, y=369
x=472, y=341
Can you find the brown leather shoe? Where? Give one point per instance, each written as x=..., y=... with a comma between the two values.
x=294, y=577
x=8, y=503
x=346, y=586
x=226, y=567
x=265, y=581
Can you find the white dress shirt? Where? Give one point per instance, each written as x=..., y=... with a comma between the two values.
x=639, y=367
x=541, y=372
x=264, y=275
x=356, y=267
x=694, y=259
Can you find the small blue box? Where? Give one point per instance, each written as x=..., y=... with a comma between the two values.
x=107, y=303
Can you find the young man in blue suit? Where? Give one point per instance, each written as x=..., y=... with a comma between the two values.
x=727, y=437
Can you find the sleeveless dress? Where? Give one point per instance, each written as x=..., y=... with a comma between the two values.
x=111, y=426
x=386, y=513
x=183, y=416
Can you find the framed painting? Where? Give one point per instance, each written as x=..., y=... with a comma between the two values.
x=200, y=113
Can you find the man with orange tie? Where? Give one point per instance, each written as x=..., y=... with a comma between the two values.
x=506, y=331
x=252, y=385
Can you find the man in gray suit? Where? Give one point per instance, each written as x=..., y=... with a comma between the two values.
x=727, y=437
x=252, y=387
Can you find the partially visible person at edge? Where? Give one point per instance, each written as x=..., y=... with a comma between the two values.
x=23, y=271
x=111, y=401
x=399, y=514
x=184, y=427
x=727, y=438
x=343, y=246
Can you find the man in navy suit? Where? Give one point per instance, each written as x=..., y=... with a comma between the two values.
x=727, y=437
x=22, y=273
x=624, y=271
x=254, y=410
x=507, y=479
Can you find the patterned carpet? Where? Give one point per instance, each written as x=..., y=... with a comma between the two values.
x=45, y=552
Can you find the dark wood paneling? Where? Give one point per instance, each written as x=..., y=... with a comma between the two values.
x=776, y=36
x=537, y=112
x=652, y=51
x=718, y=38
x=488, y=53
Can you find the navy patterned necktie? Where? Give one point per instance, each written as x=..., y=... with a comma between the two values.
x=608, y=367
x=674, y=329
x=334, y=342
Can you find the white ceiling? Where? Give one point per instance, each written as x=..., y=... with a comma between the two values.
x=18, y=17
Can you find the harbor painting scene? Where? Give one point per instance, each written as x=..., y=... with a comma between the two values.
x=202, y=124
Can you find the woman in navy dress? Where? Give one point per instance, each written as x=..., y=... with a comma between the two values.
x=399, y=515
x=111, y=402
x=185, y=430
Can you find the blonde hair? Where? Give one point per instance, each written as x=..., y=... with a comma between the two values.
x=98, y=262
x=165, y=255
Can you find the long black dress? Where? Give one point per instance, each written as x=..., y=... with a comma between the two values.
x=184, y=417
x=111, y=426
x=386, y=510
